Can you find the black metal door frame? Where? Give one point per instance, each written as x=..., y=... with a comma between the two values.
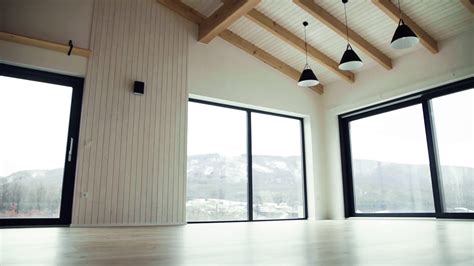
x=70, y=156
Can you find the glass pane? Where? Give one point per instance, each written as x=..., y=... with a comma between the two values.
x=277, y=167
x=454, y=127
x=390, y=163
x=217, y=164
x=34, y=118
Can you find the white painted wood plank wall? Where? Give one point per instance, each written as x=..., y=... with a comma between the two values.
x=132, y=149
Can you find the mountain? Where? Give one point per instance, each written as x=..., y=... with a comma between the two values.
x=394, y=187
x=216, y=182
x=217, y=187
x=215, y=176
x=379, y=186
x=46, y=176
x=31, y=193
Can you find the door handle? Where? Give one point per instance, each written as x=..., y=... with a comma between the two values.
x=69, y=153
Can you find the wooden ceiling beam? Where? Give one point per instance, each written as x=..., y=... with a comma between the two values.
x=392, y=11
x=196, y=17
x=327, y=19
x=223, y=18
x=469, y=4
x=293, y=40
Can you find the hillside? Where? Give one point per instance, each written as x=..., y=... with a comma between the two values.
x=31, y=193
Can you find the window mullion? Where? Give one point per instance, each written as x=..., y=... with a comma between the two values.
x=432, y=155
x=303, y=163
x=249, y=166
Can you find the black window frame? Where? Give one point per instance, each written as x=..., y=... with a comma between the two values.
x=67, y=193
x=249, y=112
x=424, y=99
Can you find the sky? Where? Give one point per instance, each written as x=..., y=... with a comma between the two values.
x=399, y=136
x=34, y=120
x=213, y=129
x=454, y=122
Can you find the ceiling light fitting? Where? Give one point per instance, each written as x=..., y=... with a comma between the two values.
x=350, y=60
x=403, y=37
x=307, y=78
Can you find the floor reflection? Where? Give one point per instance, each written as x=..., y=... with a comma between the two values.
x=343, y=242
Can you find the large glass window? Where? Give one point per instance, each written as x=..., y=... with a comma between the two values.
x=412, y=156
x=454, y=126
x=277, y=169
x=243, y=165
x=217, y=163
x=34, y=117
x=390, y=164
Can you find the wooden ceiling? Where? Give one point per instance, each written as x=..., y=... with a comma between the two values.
x=271, y=30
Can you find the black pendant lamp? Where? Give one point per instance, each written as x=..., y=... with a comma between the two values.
x=403, y=37
x=307, y=78
x=350, y=60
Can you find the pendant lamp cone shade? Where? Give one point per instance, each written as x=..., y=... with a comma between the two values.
x=403, y=37
x=350, y=60
x=308, y=78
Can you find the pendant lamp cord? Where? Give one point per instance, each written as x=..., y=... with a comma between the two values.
x=305, y=46
x=347, y=28
x=399, y=9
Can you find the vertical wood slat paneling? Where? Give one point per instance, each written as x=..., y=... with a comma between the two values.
x=124, y=100
x=132, y=149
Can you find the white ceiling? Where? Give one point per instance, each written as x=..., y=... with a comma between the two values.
x=442, y=19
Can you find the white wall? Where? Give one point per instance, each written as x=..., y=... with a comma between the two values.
x=41, y=59
x=52, y=20
x=223, y=73
x=417, y=71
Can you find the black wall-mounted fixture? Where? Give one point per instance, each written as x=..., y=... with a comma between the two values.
x=70, y=48
x=139, y=88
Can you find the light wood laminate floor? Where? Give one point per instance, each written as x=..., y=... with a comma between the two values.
x=350, y=242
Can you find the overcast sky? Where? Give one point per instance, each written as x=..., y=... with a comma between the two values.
x=34, y=122
x=399, y=136
x=220, y=130
x=34, y=119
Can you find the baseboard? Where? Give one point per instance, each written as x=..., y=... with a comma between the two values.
x=126, y=225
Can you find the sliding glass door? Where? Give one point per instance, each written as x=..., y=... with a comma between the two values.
x=412, y=156
x=39, y=119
